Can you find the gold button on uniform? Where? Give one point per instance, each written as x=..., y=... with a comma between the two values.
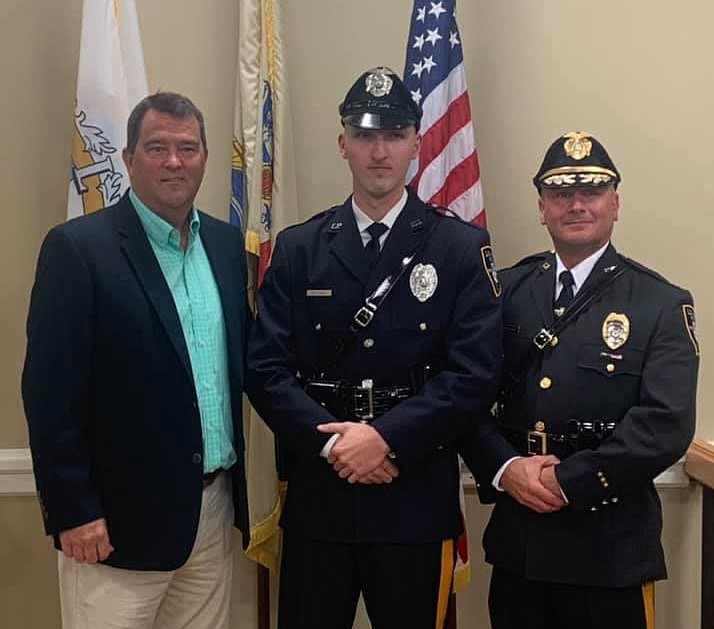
x=610, y=367
x=422, y=326
x=554, y=341
x=368, y=343
x=545, y=383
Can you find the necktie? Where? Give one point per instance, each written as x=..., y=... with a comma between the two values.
x=566, y=294
x=372, y=248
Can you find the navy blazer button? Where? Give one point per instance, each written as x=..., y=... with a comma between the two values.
x=196, y=458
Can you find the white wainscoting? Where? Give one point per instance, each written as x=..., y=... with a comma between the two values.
x=16, y=476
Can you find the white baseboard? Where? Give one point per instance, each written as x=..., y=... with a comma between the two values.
x=16, y=477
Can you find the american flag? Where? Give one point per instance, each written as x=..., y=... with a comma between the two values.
x=447, y=171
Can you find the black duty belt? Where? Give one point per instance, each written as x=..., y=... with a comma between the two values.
x=581, y=435
x=363, y=402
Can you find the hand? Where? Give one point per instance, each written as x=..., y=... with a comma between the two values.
x=550, y=480
x=87, y=543
x=385, y=473
x=359, y=450
x=522, y=480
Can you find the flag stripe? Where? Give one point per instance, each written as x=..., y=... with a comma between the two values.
x=469, y=206
x=458, y=148
x=460, y=178
x=442, y=96
x=436, y=139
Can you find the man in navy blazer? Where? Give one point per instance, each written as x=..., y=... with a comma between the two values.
x=133, y=386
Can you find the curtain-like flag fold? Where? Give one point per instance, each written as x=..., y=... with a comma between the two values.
x=264, y=200
x=111, y=79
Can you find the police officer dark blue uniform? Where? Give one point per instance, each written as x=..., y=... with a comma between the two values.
x=376, y=351
x=599, y=389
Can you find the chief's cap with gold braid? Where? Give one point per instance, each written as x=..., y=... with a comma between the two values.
x=576, y=159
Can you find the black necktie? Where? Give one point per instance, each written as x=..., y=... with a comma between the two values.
x=566, y=294
x=375, y=230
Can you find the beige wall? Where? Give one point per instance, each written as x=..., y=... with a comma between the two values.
x=638, y=74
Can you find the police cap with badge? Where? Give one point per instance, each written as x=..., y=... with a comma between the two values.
x=576, y=159
x=379, y=100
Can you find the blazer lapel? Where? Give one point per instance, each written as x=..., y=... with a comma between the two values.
x=136, y=247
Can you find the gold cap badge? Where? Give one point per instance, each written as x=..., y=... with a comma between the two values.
x=577, y=144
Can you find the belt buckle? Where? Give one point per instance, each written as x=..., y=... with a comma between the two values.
x=537, y=442
x=364, y=415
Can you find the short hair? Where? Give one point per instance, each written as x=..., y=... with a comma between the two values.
x=171, y=103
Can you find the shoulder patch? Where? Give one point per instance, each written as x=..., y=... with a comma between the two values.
x=489, y=265
x=690, y=322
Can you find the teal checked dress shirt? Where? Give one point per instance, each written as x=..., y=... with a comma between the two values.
x=190, y=279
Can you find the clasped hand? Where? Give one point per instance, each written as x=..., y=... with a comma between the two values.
x=532, y=482
x=360, y=453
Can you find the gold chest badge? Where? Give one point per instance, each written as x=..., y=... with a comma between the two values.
x=615, y=330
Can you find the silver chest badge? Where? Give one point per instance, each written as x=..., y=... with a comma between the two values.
x=423, y=281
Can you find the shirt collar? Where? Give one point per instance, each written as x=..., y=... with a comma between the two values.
x=580, y=271
x=364, y=221
x=159, y=231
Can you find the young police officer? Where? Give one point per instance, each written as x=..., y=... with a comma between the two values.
x=377, y=342
x=599, y=389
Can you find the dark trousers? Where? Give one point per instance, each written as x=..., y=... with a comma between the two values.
x=515, y=602
x=403, y=585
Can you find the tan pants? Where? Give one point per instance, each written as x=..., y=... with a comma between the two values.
x=196, y=596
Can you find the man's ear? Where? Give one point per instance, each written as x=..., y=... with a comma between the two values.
x=341, y=144
x=128, y=158
x=540, y=210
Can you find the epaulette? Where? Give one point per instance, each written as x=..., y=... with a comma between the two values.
x=647, y=271
x=535, y=258
x=314, y=217
x=445, y=212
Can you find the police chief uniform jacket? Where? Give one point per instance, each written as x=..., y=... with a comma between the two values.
x=609, y=533
x=318, y=279
x=109, y=394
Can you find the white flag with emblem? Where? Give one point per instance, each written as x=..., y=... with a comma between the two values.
x=111, y=79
